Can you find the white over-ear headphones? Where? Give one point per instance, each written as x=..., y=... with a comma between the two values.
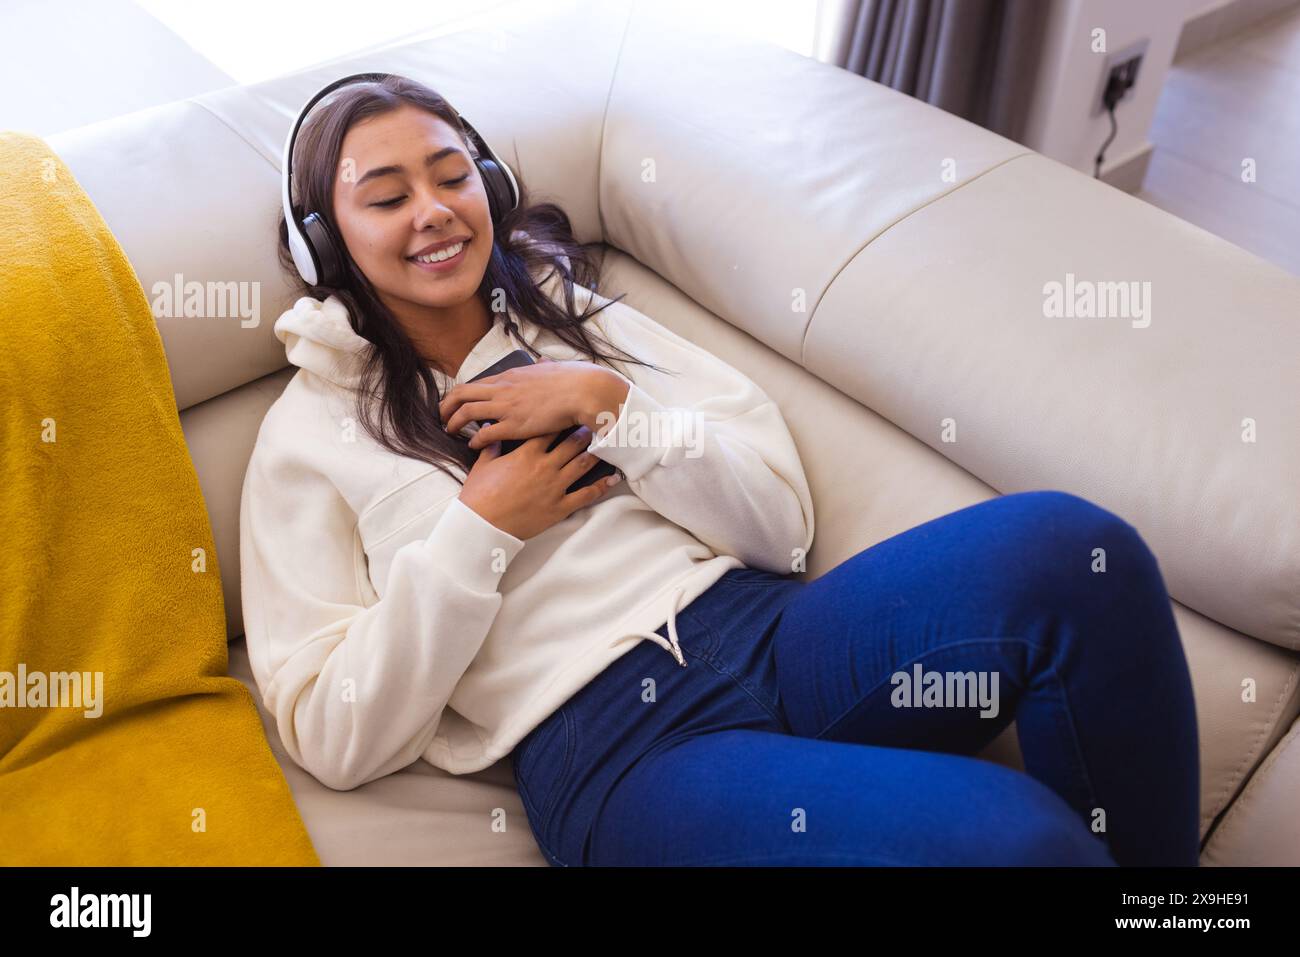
x=318, y=256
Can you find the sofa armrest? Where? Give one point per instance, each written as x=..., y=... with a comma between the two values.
x=966, y=324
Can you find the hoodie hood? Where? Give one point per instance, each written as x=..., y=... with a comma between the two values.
x=318, y=336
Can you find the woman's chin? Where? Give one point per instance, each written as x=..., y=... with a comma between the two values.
x=441, y=294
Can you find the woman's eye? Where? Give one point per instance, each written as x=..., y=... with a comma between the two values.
x=397, y=199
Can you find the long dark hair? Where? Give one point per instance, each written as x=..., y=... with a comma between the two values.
x=397, y=398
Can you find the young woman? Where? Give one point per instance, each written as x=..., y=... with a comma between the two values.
x=667, y=692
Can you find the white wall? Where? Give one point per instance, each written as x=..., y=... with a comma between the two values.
x=1062, y=123
x=1215, y=20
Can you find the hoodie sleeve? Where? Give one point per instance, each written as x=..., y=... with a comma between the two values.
x=357, y=691
x=705, y=447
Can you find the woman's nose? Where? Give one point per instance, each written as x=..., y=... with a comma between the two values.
x=431, y=213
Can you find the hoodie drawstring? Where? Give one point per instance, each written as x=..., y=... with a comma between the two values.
x=671, y=645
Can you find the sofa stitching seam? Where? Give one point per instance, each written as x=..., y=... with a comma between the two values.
x=1227, y=806
x=604, y=117
x=244, y=139
x=803, y=345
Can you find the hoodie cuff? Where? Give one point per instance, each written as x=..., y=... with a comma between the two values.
x=647, y=433
x=470, y=549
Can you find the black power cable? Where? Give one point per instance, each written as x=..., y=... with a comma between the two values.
x=1101, y=153
x=1120, y=82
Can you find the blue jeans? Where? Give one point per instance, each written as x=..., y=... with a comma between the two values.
x=809, y=727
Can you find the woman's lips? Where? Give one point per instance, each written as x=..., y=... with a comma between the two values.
x=446, y=265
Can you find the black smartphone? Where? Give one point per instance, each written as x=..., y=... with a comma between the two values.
x=518, y=358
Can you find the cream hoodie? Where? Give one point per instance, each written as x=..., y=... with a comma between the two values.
x=387, y=621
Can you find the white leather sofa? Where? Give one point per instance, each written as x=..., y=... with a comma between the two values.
x=922, y=245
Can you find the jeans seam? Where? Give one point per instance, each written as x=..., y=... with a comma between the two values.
x=704, y=626
x=543, y=819
x=536, y=832
x=529, y=805
x=1074, y=740
x=1050, y=671
x=570, y=746
x=913, y=660
x=721, y=669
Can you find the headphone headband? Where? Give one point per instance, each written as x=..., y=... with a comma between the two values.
x=317, y=256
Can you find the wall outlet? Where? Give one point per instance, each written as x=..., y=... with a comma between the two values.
x=1123, y=64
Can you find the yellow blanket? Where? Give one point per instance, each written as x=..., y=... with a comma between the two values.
x=152, y=755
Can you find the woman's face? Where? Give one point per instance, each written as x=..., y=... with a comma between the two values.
x=405, y=182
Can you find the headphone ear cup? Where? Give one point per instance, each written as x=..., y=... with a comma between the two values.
x=501, y=199
x=324, y=250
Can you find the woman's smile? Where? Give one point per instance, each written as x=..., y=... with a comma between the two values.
x=446, y=265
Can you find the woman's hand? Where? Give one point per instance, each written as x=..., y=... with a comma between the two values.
x=538, y=399
x=526, y=492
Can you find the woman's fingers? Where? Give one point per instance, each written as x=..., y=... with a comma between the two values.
x=544, y=440
x=470, y=412
x=577, y=441
x=577, y=467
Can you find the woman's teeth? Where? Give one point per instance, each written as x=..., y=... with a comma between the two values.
x=440, y=255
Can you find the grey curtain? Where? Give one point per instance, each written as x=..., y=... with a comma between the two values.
x=975, y=58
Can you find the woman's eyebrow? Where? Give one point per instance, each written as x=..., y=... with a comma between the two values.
x=428, y=161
